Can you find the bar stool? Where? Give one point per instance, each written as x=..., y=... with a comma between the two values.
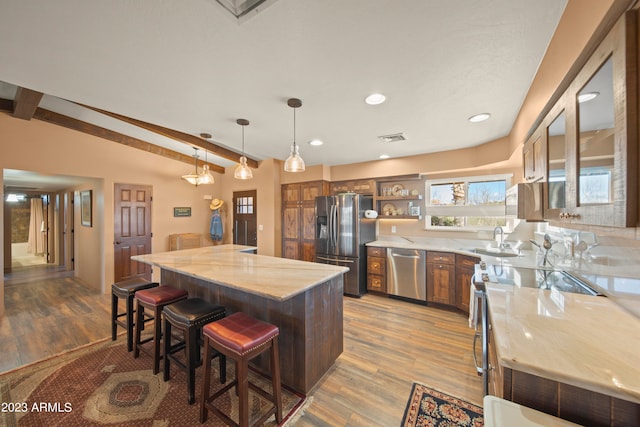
x=154, y=299
x=189, y=316
x=241, y=338
x=126, y=290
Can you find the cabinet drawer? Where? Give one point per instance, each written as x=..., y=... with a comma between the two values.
x=376, y=265
x=466, y=261
x=441, y=257
x=376, y=283
x=375, y=251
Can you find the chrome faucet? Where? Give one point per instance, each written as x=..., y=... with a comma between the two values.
x=497, y=230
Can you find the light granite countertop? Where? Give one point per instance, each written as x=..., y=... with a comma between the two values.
x=232, y=266
x=581, y=340
x=613, y=270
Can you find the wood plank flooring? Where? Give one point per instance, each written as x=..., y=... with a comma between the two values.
x=48, y=315
x=388, y=345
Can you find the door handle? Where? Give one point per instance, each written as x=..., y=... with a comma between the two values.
x=117, y=242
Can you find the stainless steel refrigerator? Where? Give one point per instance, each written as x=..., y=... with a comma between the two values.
x=341, y=234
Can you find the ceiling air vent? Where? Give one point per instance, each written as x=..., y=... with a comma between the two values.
x=394, y=137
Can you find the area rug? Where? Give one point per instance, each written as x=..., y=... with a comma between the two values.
x=430, y=407
x=103, y=384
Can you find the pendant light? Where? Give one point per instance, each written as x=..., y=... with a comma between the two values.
x=294, y=162
x=205, y=177
x=192, y=178
x=196, y=178
x=243, y=171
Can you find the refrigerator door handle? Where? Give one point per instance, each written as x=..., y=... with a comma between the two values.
x=336, y=228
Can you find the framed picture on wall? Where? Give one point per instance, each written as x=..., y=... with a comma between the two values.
x=85, y=208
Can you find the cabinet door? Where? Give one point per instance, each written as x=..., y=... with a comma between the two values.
x=465, y=268
x=440, y=283
x=533, y=158
x=601, y=126
x=463, y=288
x=291, y=193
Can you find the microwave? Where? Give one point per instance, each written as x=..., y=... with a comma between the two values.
x=525, y=201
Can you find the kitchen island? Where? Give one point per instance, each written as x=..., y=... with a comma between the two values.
x=303, y=299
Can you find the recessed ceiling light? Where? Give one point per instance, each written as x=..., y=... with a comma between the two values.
x=584, y=97
x=316, y=142
x=384, y=156
x=479, y=117
x=375, y=99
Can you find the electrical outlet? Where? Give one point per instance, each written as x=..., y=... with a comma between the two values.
x=260, y=227
x=393, y=228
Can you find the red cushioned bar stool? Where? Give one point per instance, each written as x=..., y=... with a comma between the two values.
x=154, y=299
x=125, y=290
x=189, y=316
x=241, y=338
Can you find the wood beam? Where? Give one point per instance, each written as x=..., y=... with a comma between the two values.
x=91, y=129
x=25, y=103
x=180, y=137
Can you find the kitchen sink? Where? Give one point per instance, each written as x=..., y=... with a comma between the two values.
x=494, y=252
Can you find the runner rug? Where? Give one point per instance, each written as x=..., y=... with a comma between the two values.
x=103, y=384
x=430, y=407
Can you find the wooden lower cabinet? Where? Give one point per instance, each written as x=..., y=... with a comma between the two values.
x=376, y=269
x=441, y=273
x=561, y=400
x=465, y=268
x=298, y=218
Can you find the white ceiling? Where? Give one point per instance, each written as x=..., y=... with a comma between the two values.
x=191, y=66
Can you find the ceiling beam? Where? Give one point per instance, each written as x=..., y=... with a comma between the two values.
x=108, y=134
x=180, y=137
x=25, y=103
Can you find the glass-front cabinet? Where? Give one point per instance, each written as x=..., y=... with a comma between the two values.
x=591, y=138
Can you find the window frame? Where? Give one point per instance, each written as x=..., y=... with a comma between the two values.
x=466, y=210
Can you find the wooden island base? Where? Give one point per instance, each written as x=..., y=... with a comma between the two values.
x=311, y=324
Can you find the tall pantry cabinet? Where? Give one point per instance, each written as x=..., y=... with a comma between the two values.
x=298, y=218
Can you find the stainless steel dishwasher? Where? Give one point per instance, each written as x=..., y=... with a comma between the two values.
x=406, y=273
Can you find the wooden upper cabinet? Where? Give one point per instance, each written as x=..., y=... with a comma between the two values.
x=360, y=186
x=298, y=218
x=592, y=137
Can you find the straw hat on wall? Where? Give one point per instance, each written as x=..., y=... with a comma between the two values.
x=216, y=204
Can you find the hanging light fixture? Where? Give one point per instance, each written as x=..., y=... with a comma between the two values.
x=294, y=162
x=195, y=178
x=243, y=171
x=205, y=177
x=192, y=178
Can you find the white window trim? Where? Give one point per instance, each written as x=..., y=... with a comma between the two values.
x=463, y=210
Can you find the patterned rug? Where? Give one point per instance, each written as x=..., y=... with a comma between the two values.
x=103, y=384
x=430, y=407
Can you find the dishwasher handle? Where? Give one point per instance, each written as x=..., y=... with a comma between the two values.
x=406, y=256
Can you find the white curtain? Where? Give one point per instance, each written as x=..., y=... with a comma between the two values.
x=35, y=244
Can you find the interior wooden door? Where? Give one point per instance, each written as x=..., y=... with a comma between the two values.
x=245, y=214
x=132, y=230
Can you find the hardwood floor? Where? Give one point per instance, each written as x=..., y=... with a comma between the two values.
x=388, y=345
x=48, y=314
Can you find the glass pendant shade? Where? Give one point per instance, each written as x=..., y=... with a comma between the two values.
x=294, y=162
x=243, y=171
x=191, y=179
x=196, y=178
x=205, y=177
